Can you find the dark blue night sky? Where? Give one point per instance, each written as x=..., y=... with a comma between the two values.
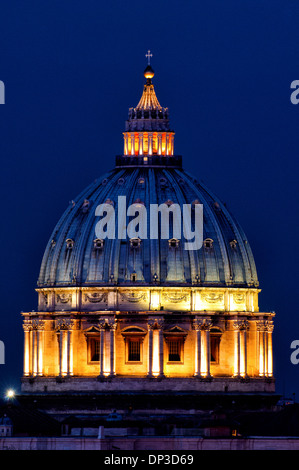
x=223, y=67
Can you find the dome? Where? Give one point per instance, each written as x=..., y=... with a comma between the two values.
x=147, y=173
x=147, y=275
x=72, y=255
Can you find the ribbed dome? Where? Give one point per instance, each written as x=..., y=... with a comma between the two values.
x=72, y=256
x=148, y=173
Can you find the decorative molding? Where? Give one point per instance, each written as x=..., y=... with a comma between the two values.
x=155, y=323
x=45, y=298
x=133, y=297
x=212, y=297
x=269, y=326
x=35, y=324
x=241, y=324
x=96, y=297
x=176, y=297
x=63, y=298
x=265, y=325
x=202, y=324
x=64, y=324
x=239, y=298
x=107, y=323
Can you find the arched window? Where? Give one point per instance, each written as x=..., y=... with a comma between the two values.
x=69, y=243
x=233, y=244
x=135, y=243
x=174, y=243
x=208, y=243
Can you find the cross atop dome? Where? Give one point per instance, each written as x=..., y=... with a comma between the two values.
x=148, y=56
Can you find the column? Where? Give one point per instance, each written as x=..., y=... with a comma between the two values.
x=132, y=144
x=208, y=354
x=107, y=346
x=150, y=144
x=33, y=352
x=202, y=327
x=150, y=351
x=172, y=144
x=270, y=327
x=125, y=144
x=156, y=347
x=40, y=348
x=197, y=328
x=240, y=354
x=102, y=336
x=69, y=351
x=159, y=144
x=63, y=327
x=140, y=144
x=205, y=348
x=260, y=326
x=161, y=353
x=60, y=338
x=26, y=328
x=112, y=327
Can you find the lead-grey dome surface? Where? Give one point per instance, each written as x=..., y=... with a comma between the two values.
x=72, y=256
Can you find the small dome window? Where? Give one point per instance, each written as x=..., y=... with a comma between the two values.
x=133, y=277
x=98, y=244
x=69, y=244
x=121, y=181
x=135, y=242
x=233, y=244
x=194, y=203
x=104, y=182
x=109, y=201
x=141, y=181
x=168, y=202
x=85, y=205
x=217, y=206
x=208, y=243
x=174, y=243
x=138, y=201
x=163, y=181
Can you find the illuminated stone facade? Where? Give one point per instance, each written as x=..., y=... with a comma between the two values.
x=120, y=315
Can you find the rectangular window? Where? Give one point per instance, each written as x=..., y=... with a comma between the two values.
x=94, y=349
x=174, y=350
x=215, y=342
x=134, y=350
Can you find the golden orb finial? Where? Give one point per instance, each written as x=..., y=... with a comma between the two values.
x=149, y=73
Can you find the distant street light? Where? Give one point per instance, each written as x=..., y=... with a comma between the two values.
x=10, y=394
